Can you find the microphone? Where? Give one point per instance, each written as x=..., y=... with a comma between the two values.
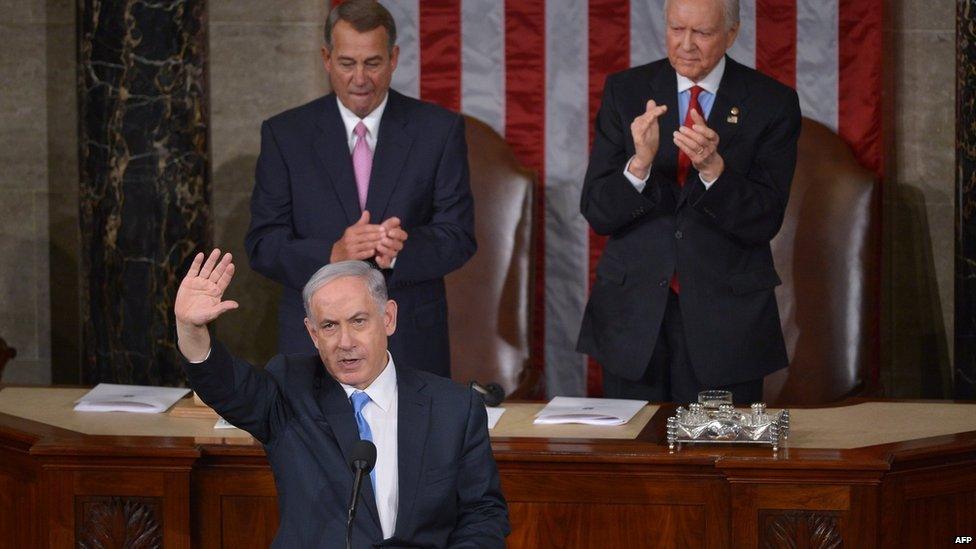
x=362, y=461
x=492, y=394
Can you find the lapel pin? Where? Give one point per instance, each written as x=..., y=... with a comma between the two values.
x=733, y=116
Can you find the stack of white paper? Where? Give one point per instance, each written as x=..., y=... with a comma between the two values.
x=589, y=411
x=108, y=397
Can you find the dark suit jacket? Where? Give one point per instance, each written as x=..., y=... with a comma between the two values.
x=717, y=240
x=305, y=197
x=449, y=491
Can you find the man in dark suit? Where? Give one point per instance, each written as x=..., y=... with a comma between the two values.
x=365, y=173
x=435, y=483
x=689, y=176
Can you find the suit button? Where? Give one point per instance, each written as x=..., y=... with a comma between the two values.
x=663, y=283
x=677, y=234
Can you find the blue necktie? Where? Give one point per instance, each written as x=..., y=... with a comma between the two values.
x=359, y=400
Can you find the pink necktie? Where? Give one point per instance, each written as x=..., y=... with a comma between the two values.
x=362, y=163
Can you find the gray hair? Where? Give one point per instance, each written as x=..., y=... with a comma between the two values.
x=730, y=11
x=364, y=16
x=375, y=284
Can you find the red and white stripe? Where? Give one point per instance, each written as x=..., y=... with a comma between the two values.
x=534, y=71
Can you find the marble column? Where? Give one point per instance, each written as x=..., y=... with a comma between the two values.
x=965, y=374
x=144, y=160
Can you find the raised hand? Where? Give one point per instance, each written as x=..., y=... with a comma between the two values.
x=359, y=240
x=391, y=243
x=199, y=299
x=647, y=137
x=700, y=143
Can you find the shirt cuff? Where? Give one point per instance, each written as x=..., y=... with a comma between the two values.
x=637, y=182
x=707, y=184
x=393, y=262
x=210, y=350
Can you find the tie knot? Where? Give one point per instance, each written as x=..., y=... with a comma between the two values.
x=695, y=90
x=360, y=130
x=359, y=400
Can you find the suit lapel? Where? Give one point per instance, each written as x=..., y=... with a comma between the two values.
x=338, y=412
x=731, y=94
x=413, y=423
x=392, y=148
x=332, y=149
x=664, y=91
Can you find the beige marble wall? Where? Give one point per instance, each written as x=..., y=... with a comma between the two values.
x=264, y=58
x=37, y=130
x=919, y=198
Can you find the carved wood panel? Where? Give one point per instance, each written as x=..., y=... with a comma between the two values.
x=794, y=529
x=103, y=522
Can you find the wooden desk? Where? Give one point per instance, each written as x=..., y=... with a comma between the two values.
x=60, y=486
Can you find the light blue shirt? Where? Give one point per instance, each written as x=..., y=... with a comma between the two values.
x=705, y=99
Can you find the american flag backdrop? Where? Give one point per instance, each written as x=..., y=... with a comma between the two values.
x=534, y=71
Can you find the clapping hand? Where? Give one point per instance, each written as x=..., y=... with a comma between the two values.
x=363, y=240
x=392, y=242
x=359, y=240
x=646, y=133
x=700, y=143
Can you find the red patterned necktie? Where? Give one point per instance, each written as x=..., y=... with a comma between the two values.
x=684, y=163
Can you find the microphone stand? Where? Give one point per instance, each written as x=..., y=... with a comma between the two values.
x=362, y=461
x=356, y=485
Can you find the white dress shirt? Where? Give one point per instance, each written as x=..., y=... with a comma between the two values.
x=709, y=85
x=381, y=414
x=372, y=122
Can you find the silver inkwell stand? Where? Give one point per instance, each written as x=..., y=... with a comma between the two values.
x=713, y=419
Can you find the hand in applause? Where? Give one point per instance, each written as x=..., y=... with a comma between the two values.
x=700, y=143
x=647, y=137
x=359, y=241
x=391, y=243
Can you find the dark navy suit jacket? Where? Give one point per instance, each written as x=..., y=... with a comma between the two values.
x=718, y=240
x=449, y=490
x=305, y=197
